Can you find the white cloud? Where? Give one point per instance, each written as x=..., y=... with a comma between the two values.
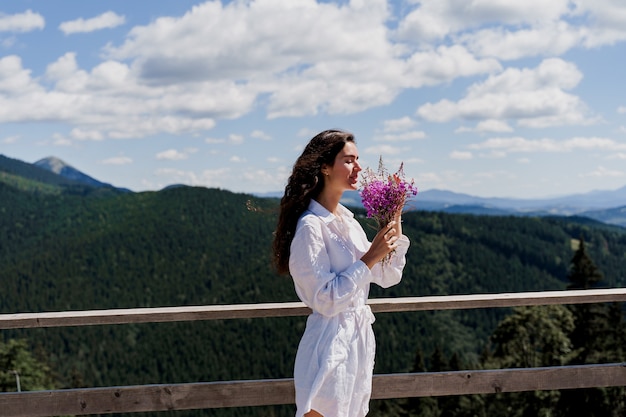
x=60, y=140
x=400, y=137
x=489, y=125
x=214, y=141
x=21, y=22
x=384, y=150
x=10, y=139
x=533, y=97
x=445, y=64
x=259, y=134
x=513, y=30
x=323, y=57
x=82, y=134
x=607, y=21
x=602, y=172
x=235, y=139
x=463, y=155
x=172, y=155
x=621, y=109
x=264, y=180
x=110, y=99
x=436, y=19
x=107, y=20
x=552, y=39
x=15, y=81
x=312, y=62
x=258, y=179
x=117, y=160
x=398, y=125
x=519, y=144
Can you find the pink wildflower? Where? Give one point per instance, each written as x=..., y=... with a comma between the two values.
x=383, y=195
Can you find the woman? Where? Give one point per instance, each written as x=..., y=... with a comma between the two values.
x=332, y=264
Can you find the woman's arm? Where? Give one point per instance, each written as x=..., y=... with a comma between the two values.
x=318, y=286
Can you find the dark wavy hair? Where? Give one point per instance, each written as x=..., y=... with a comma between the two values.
x=305, y=183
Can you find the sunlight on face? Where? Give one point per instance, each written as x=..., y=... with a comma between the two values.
x=344, y=173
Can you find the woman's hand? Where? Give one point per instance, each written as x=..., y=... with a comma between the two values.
x=384, y=243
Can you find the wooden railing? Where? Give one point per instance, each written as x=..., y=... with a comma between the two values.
x=162, y=397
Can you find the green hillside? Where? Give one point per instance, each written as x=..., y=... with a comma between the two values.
x=192, y=246
x=33, y=179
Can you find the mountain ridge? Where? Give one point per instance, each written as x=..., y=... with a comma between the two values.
x=607, y=206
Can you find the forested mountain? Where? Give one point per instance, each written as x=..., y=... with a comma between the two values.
x=30, y=177
x=57, y=166
x=193, y=246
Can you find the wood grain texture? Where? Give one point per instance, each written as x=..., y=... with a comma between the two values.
x=239, y=311
x=146, y=398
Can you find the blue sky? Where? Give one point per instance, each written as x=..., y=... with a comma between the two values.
x=492, y=98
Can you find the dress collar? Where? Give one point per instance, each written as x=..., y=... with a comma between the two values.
x=323, y=213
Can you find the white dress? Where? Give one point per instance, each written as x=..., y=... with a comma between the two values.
x=335, y=358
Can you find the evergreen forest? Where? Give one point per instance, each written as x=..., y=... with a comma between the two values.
x=71, y=247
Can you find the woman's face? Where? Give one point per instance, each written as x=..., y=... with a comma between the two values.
x=343, y=174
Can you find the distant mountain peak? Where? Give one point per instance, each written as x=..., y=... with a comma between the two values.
x=56, y=165
x=52, y=163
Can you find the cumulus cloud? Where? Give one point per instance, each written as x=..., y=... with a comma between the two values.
x=107, y=20
x=175, y=155
x=21, y=22
x=401, y=124
x=259, y=134
x=117, y=160
x=512, y=30
x=323, y=57
x=15, y=81
x=385, y=150
x=436, y=19
x=618, y=155
x=533, y=97
x=602, y=172
x=607, y=21
x=464, y=155
x=551, y=39
x=82, y=134
x=519, y=144
x=487, y=126
x=10, y=139
x=400, y=137
x=110, y=99
x=214, y=141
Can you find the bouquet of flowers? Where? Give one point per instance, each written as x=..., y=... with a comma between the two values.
x=384, y=194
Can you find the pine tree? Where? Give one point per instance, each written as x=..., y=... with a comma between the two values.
x=583, y=274
x=533, y=336
x=420, y=406
x=591, y=320
x=20, y=370
x=597, y=338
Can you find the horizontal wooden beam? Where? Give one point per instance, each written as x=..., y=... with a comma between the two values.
x=460, y=302
x=434, y=384
x=150, y=398
x=239, y=311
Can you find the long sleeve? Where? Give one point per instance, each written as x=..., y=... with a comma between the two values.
x=390, y=273
x=326, y=274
